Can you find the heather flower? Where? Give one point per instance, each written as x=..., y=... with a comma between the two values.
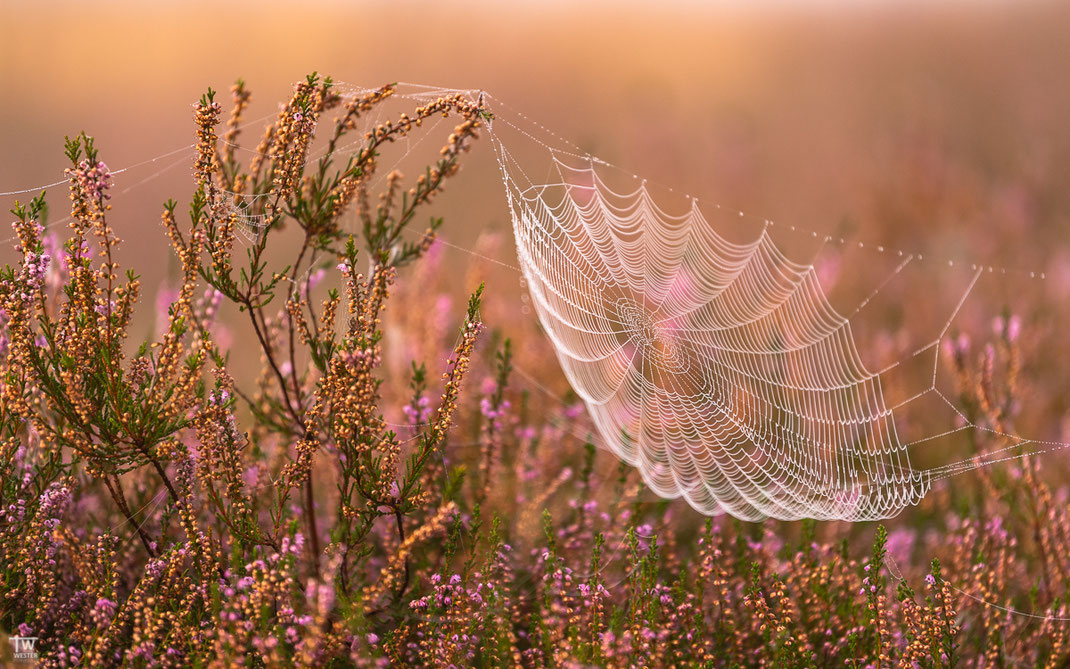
x=94, y=179
x=419, y=412
x=34, y=269
x=103, y=612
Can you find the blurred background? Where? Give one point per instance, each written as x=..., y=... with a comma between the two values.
x=939, y=127
x=810, y=111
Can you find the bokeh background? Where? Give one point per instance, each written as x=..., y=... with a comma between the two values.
x=938, y=127
x=804, y=111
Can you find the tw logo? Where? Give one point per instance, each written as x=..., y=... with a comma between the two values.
x=24, y=647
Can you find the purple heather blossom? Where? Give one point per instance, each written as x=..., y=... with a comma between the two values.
x=900, y=544
x=53, y=502
x=1009, y=327
x=94, y=179
x=574, y=411
x=314, y=279
x=486, y=407
x=103, y=612
x=154, y=568
x=420, y=413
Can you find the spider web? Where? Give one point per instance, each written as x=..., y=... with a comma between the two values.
x=719, y=369
x=250, y=213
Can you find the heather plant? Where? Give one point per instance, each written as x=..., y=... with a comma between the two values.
x=383, y=491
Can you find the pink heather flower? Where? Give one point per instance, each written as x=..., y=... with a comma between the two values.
x=154, y=568
x=901, y=544
x=574, y=411
x=1014, y=328
x=102, y=612
x=645, y=533
x=963, y=343
x=442, y=313
x=165, y=297
x=828, y=270
x=947, y=347
x=373, y=639
x=94, y=179
x=488, y=410
x=53, y=248
x=53, y=503
x=420, y=413
x=312, y=281
x=1009, y=328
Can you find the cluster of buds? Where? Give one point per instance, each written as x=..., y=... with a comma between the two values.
x=206, y=116
x=459, y=365
x=419, y=411
x=294, y=130
x=34, y=268
x=94, y=179
x=364, y=103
